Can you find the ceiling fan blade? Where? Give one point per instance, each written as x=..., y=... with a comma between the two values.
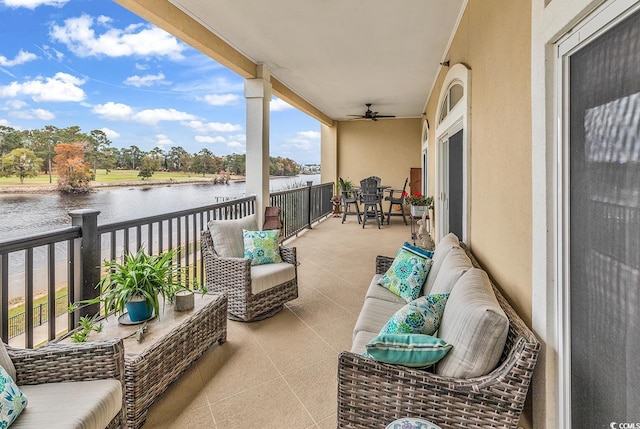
x=385, y=116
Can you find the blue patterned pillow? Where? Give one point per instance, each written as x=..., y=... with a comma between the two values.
x=407, y=274
x=420, y=316
x=12, y=400
x=426, y=253
x=261, y=246
x=413, y=350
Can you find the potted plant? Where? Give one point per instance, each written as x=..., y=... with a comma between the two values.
x=418, y=202
x=136, y=284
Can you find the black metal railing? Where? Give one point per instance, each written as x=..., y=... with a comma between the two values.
x=70, y=258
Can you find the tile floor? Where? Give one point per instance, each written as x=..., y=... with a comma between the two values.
x=282, y=372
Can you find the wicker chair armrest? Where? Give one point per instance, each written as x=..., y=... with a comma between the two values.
x=289, y=254
x=383, y=263
x=55, y=362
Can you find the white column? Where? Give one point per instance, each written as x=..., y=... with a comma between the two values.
x=258, y=94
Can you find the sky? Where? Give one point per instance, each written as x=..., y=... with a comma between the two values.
x=94, y=64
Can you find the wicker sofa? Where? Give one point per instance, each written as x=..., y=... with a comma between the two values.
x=69, y=385
x=371, y=394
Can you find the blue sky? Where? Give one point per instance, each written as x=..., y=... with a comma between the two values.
x=94, y=64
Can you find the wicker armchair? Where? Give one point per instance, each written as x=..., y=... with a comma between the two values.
x=233, y=277
x=372, y=394
x=56, y=363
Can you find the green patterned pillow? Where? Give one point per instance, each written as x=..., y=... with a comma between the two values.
x=413, y=350
x=12, y=400
x=420, y=316
x=407, y=274
x=261, y=246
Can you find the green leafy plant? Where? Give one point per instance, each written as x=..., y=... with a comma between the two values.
x=87, y=325
x=138, y=275
x=418, y=200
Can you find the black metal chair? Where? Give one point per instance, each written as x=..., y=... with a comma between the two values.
x=349, y=196
x=398, y=198
x=371, y=200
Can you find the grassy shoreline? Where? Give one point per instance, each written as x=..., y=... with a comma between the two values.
x=116, y=178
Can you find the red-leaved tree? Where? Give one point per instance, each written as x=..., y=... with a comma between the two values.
x=74, y=174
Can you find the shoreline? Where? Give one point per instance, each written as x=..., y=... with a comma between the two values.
x=53, y=188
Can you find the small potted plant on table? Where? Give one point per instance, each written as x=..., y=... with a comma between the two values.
x=137, y=284
x=419, y=203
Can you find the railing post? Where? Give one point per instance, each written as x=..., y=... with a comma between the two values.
x=309, y=214
x=87, y=272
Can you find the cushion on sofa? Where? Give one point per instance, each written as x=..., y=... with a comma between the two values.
x=453, y=267
x=420, y=316
x=374, y=314
x=360, y=341
x=12, y=399
x=407, y=274
x=5, y=362
x=380, y=292
x=442, y=250
x=475, y=325
x=262, y=246
x=227, y=235
x=266, y=276
x=80, y=404
x=413, y=350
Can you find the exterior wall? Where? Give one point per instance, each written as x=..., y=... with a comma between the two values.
x=494, y=40
x=387, y=148
x=328, y=154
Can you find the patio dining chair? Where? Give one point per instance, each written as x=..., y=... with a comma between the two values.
x=396, y=196
x=349, y=197
x=371, y=200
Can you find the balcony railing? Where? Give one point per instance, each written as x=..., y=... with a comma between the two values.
x=69, y=259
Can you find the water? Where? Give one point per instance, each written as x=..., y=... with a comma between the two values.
x=25, y=214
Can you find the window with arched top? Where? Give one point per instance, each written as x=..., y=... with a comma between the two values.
x=454, y=94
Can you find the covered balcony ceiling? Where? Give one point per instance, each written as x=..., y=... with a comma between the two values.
x=340, y=54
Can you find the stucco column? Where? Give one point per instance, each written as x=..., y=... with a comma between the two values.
x=258, y=94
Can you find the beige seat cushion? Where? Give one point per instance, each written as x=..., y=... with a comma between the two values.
x=5, y=362
x=448, y=242
x=475, y=324
x=79, y=404
x=361, y=340
x=380, y=292
x=453, y=267
x=227, y=235
x=266, y=276
x=374, y=314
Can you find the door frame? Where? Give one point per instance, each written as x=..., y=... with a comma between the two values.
x=458, y=118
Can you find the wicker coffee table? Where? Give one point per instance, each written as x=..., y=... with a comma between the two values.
x=170, y=345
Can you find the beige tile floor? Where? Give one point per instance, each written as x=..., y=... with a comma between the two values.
x=282, y=372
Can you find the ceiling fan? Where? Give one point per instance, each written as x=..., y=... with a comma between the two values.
x=369, y=114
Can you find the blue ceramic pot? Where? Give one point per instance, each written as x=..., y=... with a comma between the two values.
x=139, y=310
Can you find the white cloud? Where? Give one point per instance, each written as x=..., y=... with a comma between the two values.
x=113, y=111
x=42, y=114
x=236, y=145
x=277, y=104
x=21, y=58
x=111, y=134
x=221, y=99
x=210, y=139
x=15, y=104
x=147, y=80
x=305, y=141
x=153, y=116
x=213, y=127
x=80, y=37
x=60, y=87
x=309, y=134
x=32, y=4
x=5, y=123
x=162, y=140
x=141, y=66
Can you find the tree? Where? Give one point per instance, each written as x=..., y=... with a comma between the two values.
x=203, y=162
x=43, y=141
x=174, y=162
x=20, y=162
x=74, y=174
x=147, y=167
x=95, y=146
x=10, y=139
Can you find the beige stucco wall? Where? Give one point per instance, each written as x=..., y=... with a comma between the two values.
x=494, y=41
x=387, y=148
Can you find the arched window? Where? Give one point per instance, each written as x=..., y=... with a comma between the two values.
x=454, y=94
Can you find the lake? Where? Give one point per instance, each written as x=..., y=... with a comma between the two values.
x=25, y=214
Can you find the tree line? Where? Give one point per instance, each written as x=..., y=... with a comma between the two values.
x=75, y=156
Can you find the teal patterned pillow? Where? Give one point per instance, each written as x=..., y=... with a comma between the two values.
x=420, y=316
x=407, y=274
x=12, y=400
x=413, y=350
x=261, y=246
